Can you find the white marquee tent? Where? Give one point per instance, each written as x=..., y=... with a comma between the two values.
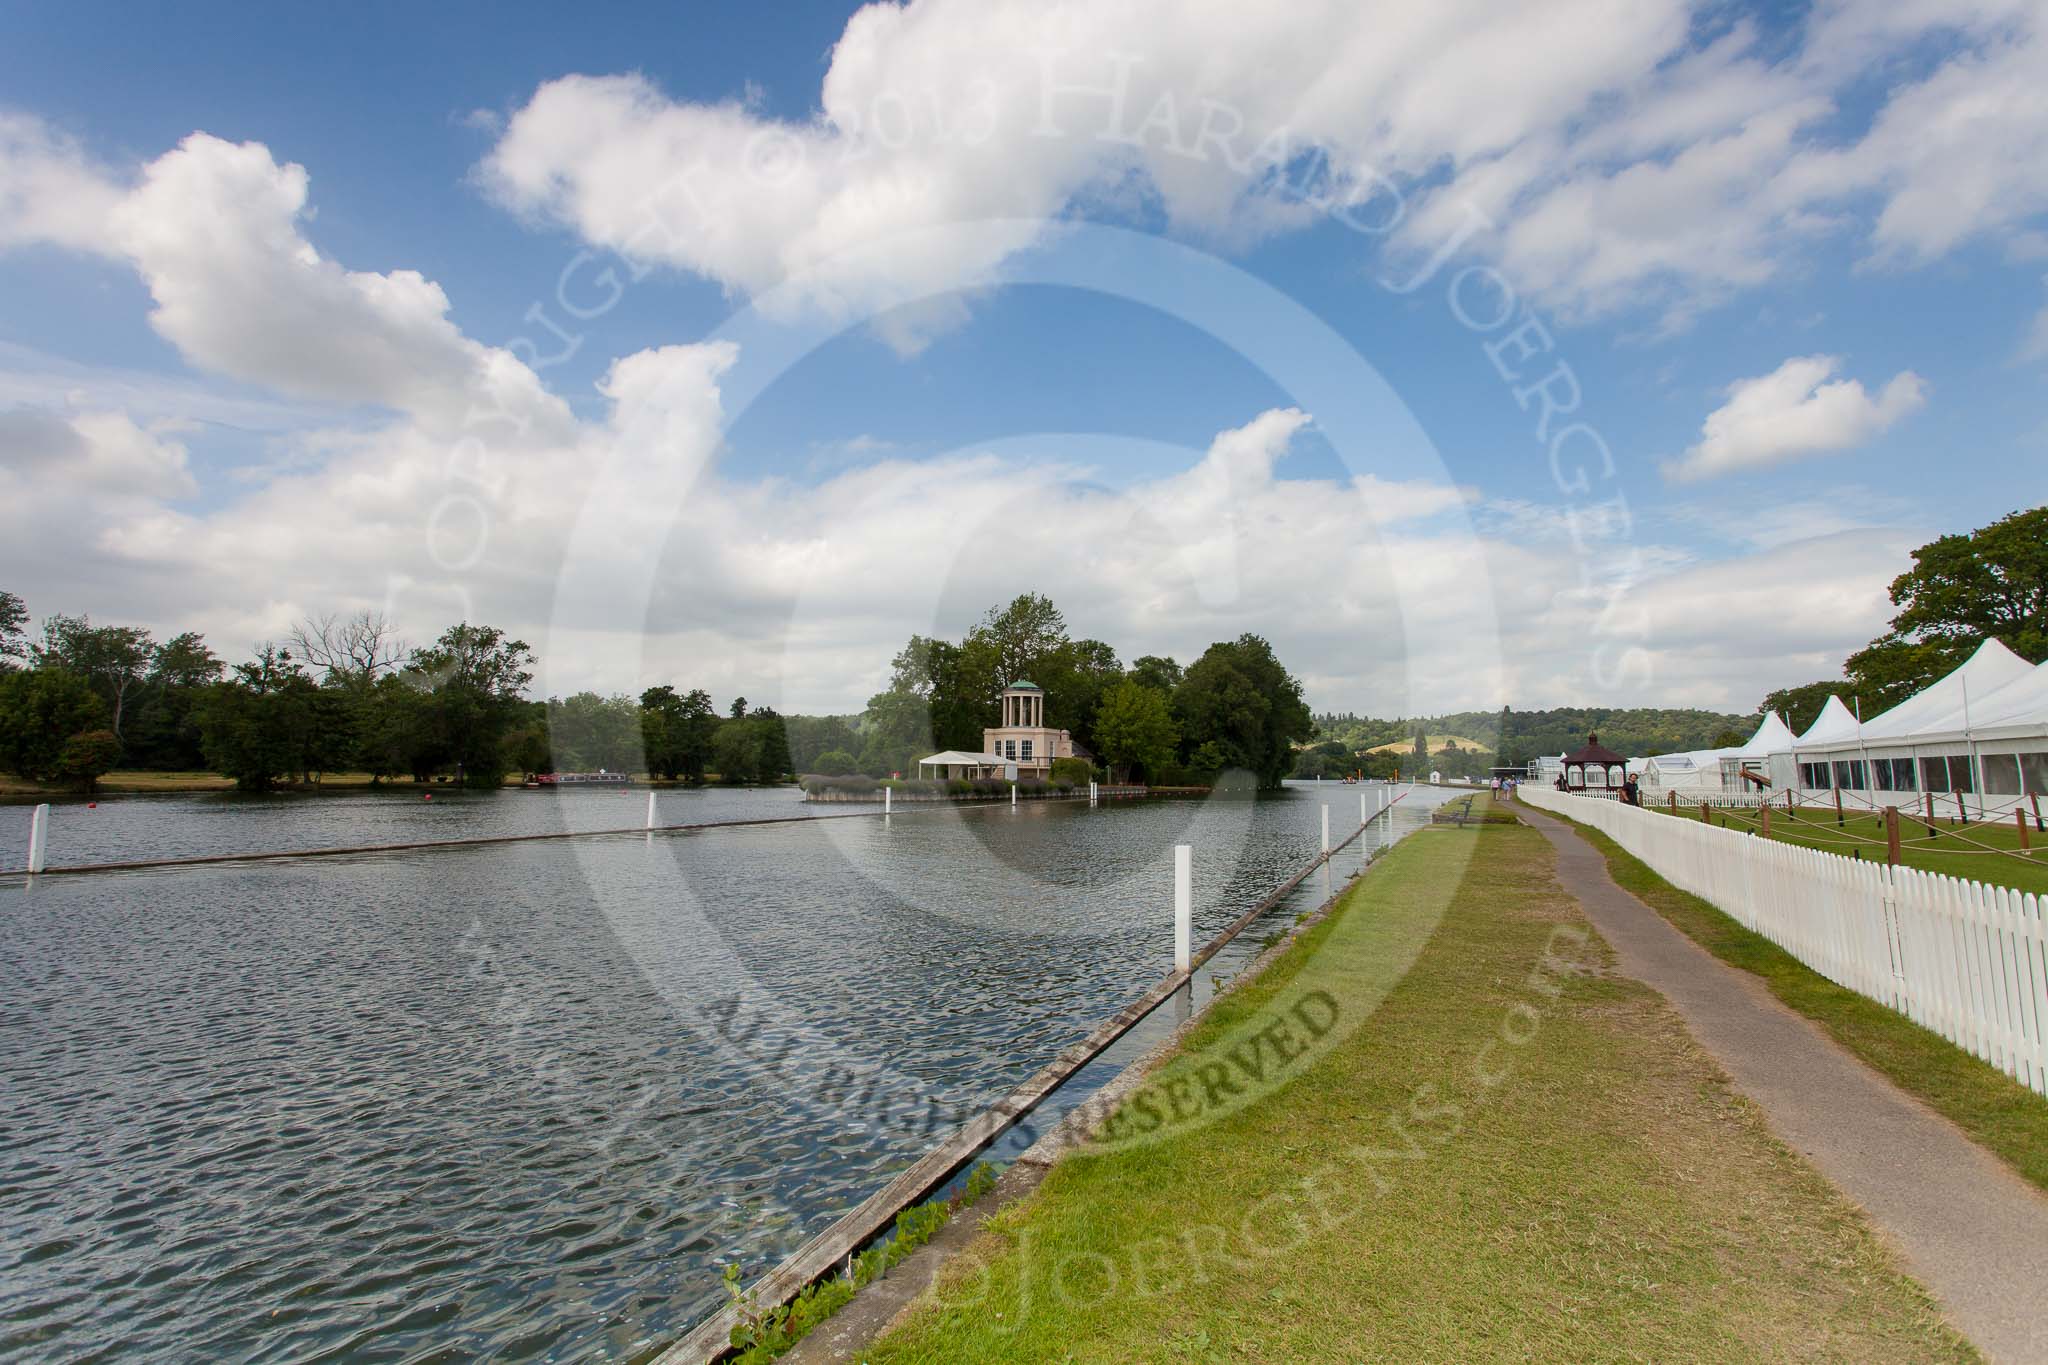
x=1704, y=772
x=1974, y=741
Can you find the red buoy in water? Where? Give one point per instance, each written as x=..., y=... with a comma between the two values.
x=92, y=805
x=427, y=796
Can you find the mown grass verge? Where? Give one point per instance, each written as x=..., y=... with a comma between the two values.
x=1948, y=846
x=1993, y=1109
x=1511, y=1154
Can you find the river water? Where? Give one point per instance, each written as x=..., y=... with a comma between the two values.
x=522, y=1101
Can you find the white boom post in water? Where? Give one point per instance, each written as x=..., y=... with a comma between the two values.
x=1183, y=906
x=1013, y=796
x=650, y=810
x=1363, y=819
x=38, y=837
x=888, y=799
x=1326, y=851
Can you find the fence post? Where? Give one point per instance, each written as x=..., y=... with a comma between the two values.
x=1891, y=835
x=1673, y=794
x=1183, y=905
x=38, y=836
x=1962, y=811
x=2019, y=817
x=1705, y=818
x=1765, y=811
x=1838, y=807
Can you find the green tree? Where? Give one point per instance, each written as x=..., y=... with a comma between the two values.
x=678, y=729
x=85, y=756
x=1890, y=669
x=1134, y=729
x=526, y=746
x=259, y=726
x=956, y=683
x=1153, y=671
x=1991, y=583
x=832, y=763
x=1240, y=708
x=40, y=709
x=896, y=731
x=395, y=727
x=1075, y=676
x=476, y=680
x=736, y=751
x=587, y=732
x=14, y=649
x=113, y=659
x=1021, y=634
x=812, y=737
x=164, y=733
x=772, y=758
x=1419, y=752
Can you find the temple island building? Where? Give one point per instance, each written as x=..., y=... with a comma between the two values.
x=1022, y=746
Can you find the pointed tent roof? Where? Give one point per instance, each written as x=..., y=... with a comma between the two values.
x=2018, y=709
x=1929, y=710
x=1835, y=722
x=1773, y=736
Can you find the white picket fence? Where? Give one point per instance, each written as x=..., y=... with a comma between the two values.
x=1967, y=960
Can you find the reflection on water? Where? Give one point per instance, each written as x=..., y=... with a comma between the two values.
x=523, y=1100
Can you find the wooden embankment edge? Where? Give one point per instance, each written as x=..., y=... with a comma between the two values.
x=711, y=1339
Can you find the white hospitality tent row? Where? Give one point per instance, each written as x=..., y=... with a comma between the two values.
x=1976, y=741
x=1708, y=772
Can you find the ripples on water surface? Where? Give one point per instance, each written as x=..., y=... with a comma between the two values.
x=492, y=1099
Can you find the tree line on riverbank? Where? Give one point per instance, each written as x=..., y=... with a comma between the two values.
x=345, y=695
x=1235, y=707
x=1469, y=743
x=341, y=695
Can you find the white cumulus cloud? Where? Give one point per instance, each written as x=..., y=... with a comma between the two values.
x=1652, y=154
x=51, y=190
x=1797, y=410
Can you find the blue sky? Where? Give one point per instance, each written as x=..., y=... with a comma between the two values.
x=1801, y=251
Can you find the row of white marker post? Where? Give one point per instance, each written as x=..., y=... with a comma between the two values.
x=1184, y=874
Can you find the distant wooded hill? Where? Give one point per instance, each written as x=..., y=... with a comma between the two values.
x=1515, y=737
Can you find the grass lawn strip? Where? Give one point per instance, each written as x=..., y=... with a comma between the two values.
x=1506, y=1159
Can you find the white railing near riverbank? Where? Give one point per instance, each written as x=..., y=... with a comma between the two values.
x=1964, y=959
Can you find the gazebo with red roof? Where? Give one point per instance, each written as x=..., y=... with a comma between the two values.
x=1595, y=760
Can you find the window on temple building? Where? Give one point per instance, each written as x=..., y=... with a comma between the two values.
x=1027, y=748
